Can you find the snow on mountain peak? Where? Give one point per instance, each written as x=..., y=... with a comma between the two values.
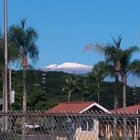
x=69, y=67
x=52, y=66
x=73, y=65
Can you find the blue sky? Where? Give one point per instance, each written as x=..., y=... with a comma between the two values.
x=66, y=26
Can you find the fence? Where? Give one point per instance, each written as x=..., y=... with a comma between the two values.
x=43, y=125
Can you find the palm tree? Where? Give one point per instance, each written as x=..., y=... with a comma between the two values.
x=85, y=91
x=72, y=86
x=128, y=66
x=24, y=39
x=70, y=83
x=99, y=72
x=112, y=55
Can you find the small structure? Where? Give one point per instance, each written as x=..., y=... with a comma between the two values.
x=78, y=128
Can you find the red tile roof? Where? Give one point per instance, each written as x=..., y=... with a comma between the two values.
x=71, y=107
x=75, y=107
x=130, y=109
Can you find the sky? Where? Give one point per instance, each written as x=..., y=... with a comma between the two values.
x=65, y=27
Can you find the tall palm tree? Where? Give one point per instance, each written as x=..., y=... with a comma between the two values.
x=24, y=38
x=99, y=72
x=128, y=65
x=112, y=55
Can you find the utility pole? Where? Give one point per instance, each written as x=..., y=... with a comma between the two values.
x=5, y=59
x=5, y=96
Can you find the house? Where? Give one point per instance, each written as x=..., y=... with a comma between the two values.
x=132, y=116
x=130, y=109
x=127, y=124
x=77, y=127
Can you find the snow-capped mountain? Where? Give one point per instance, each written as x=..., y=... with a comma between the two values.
x=69, y=67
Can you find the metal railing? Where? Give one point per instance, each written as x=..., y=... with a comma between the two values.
x=44, y=125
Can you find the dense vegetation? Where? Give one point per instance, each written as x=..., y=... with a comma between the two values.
x=55, y=81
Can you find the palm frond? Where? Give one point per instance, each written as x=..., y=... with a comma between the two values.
x=24, y=40
x=97, y=47
x=23, y=22
x=118, y=42
x=99, y=71
x=135, y=67
x=127, y=55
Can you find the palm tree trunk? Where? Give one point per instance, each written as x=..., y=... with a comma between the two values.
x=116, y=93
x=98, y=93
x=24, y=90
x=69, y=96
x=24, y=103
x=124, y=77
x=124, y=92
x=115, y=103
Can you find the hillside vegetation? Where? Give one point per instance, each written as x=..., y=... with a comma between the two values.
x=85, y=90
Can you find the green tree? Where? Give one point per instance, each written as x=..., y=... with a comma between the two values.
x=72, y=86
x=24, y=39
x=112, y=59
x=128, y=65
x=85, y=87
x=12, y=55
x=99, y=72
x=12, y=51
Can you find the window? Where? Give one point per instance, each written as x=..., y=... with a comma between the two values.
x=87, y=125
